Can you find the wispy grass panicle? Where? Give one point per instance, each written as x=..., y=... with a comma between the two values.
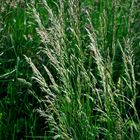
x=83, y=80
x=83, y=96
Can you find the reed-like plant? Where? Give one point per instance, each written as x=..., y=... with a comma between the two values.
x=84, y=78
x=82, y=99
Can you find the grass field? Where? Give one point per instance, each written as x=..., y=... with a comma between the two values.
x=69, y=69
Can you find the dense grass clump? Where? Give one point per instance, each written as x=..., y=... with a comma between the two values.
x=69, y=70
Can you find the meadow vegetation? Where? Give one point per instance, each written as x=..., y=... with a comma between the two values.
x=69, y=69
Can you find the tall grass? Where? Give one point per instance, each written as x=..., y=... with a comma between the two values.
x=83, y=82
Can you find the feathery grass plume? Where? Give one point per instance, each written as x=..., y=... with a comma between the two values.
x=80, y=103
x=50, y=110
x=129, y=74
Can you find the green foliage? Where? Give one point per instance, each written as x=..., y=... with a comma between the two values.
x=69, y=70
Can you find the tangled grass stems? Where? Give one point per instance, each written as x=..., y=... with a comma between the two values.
x=83, y=82
x=77, y=103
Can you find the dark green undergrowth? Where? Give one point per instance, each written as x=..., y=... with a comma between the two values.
x=69, y=69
